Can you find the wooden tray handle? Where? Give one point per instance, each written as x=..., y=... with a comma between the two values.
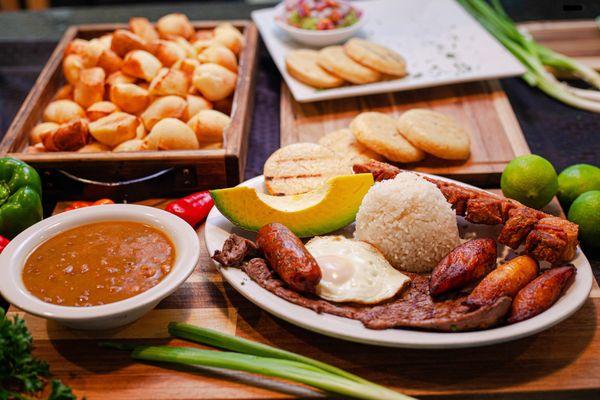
x=119, y=183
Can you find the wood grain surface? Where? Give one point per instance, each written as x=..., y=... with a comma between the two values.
x=481, y=107
x=562, y=362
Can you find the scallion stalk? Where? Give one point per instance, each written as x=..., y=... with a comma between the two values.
x=285, y=369
x=536, y=57
x=257, y=358
x=229, y=342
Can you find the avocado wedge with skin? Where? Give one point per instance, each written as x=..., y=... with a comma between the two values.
x=321, y=211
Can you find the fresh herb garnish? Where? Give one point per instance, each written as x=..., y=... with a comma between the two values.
x=60, y=391
x=20, y=372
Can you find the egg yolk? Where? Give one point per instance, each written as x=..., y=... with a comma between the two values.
x=334, y=269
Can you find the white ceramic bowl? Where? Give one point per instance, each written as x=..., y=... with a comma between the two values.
x=317, y=38
x=14, y=256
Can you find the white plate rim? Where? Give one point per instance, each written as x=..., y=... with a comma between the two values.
x=354, y=331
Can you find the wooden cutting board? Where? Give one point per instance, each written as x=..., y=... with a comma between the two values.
x=562, y=362
x=481, y=107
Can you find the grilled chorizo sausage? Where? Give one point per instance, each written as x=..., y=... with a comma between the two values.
x=287, y=255
x=541, y=293
x=465, y=264
x=506, y=280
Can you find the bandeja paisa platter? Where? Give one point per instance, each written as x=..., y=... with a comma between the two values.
x=270, y=293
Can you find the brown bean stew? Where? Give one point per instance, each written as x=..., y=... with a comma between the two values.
x=99, y=263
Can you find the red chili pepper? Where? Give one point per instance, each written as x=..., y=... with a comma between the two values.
x=102, y=201
x=78, y=204
x=193, y=208
x=3, y=243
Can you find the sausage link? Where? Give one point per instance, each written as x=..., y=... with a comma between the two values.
x=506, y=280
x=541, y=293
x=287, y=255
x=465, y=264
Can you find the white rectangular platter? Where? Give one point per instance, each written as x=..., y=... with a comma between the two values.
x=441, y=42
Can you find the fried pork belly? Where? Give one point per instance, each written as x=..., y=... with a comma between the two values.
x=516, y=228
x=545, y=237
x=552, y=239
x=485, y=211
x=380, y=170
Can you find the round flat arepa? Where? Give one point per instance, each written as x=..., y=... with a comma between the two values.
x=300, y=168
x=435, y=133
x=379, y=133
x=376, y=56
x=302, y=65
x=335, y=60
x=350, y=150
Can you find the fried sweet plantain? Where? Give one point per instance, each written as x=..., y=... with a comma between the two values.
x=541, y=293
x=465, y=264
x=506, y=280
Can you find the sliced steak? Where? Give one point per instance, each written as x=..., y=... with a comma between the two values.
x=235, y=250
x=413, y=308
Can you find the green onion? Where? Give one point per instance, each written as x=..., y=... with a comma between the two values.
x=229, y=342
x=260, y=359
x=265, y=366
x=536, y=57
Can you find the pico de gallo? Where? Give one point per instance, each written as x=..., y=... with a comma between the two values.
x=320, y=14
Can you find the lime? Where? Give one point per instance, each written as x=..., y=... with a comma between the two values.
x=577, y=179
x=530, y=179
x=585, y=212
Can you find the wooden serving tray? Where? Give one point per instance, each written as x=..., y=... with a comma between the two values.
x=482, y=107
x=173, y=172
x=560, y=363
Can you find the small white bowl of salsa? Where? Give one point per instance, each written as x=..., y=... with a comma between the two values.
x=98, y=267
x=319, y=23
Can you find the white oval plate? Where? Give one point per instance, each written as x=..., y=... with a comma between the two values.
x=218, y=229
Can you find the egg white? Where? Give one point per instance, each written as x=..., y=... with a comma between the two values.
x=354, y=271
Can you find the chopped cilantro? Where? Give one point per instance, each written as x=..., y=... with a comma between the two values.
x=309, y=23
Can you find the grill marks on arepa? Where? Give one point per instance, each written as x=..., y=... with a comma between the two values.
x=301, y=168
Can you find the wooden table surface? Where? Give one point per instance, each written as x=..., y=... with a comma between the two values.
x=562, y=362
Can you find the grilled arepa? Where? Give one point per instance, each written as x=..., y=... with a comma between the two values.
x=300, y=168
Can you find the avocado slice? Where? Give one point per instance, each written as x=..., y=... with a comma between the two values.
x=321, y=211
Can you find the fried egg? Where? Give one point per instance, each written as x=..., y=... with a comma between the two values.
x=354, y=271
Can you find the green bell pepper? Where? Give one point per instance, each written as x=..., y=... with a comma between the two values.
x=20, y=197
